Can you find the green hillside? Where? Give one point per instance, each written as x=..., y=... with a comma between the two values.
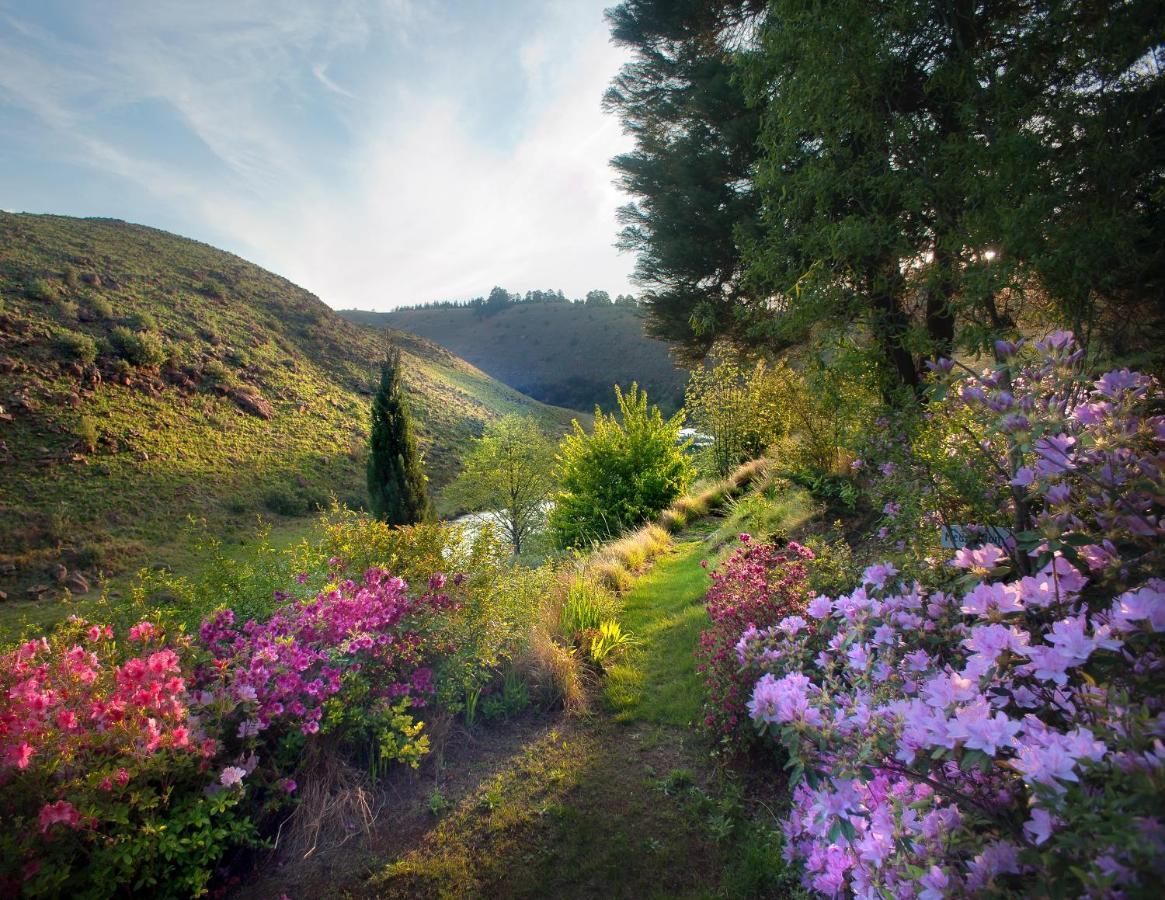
x=147, y=378
x=568, y=354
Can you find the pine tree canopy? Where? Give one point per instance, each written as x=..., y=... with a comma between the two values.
x=397, y=485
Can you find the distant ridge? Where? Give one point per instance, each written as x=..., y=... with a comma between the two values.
x=566, y=354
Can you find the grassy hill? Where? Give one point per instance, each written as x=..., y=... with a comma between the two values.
x=567, y=354
x=146, y=378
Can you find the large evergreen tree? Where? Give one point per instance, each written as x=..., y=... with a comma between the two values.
x=397, y=485
x=690, y=173
x=922, y=172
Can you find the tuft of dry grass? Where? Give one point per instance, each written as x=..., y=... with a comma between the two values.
x=611, y=574
x=336, y=804
x=636, y=550
x=672, y=520
x=691, y=507
x=749, y=472
x=556, y=673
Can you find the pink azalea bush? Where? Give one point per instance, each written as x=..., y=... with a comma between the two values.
x=145, y=758
x=98, y=749
x=758, y=585
x=1000, y=728
x=281, y=672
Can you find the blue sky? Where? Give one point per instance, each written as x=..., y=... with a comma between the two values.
x=377, y=152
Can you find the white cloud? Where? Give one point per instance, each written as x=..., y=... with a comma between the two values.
x=403, y=200
x=320, y=71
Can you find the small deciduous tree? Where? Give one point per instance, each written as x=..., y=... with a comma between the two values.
x=397, y=485
x=739, y=407
x=508, y=472
x=626, y=470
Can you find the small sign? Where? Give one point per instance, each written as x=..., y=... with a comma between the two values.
x=955, y=537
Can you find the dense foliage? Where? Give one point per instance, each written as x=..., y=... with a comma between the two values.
x=991, y=722
x=739, y=407
x=629, y=468
x=398, y=490
x=933, y=172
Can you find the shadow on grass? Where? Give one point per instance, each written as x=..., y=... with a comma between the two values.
x=592, y=809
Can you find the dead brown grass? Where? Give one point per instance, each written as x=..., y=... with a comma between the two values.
x=336, y=804
x=556, y=673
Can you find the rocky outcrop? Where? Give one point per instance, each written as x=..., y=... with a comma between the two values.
x=251, y=401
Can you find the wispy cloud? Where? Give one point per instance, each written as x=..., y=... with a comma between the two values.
x=377, y=153
x=320, y=71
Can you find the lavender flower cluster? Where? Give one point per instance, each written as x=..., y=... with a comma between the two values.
x=1001, y=728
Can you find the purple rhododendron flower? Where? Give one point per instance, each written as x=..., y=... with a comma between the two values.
x=231, y=776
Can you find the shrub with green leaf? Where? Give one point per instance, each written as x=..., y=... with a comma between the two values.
x=88, y=433
x=144, y=321
x=66, y=310
x=629, y=468
x=40, y=289
x=101, y=307
x=138, y=348
x=77, y=345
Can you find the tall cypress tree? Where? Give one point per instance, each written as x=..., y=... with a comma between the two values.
x=396, y=482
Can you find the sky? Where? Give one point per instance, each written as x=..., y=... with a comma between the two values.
x=375, y=152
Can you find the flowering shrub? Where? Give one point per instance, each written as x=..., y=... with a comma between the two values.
x=1034, y=446
x=970, y=741
x=758, y=585
x=133, y=758
x=361, y=646
x=1002, y=729
x=99, y=750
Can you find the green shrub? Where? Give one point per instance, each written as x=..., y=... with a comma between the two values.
x=101, y=307
x=69, y=276
x=120, y=369
x=139, y=348
x=66, y=310
x=833, y=569
x=215, y=372
x=289, y=500
x=143, y=321
x=508, y=700
x=88, y=433
x=834, y=490
x=624, y=472
x=212, y=288
x=40, y=289
x=77, y=345
x=238, y=358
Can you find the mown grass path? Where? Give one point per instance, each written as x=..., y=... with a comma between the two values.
x=657, y=682
x=623, y=803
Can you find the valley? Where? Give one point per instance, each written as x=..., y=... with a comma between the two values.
x=155, y=389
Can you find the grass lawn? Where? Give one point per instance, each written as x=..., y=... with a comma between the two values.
x=626, y=802
x=664, y=611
